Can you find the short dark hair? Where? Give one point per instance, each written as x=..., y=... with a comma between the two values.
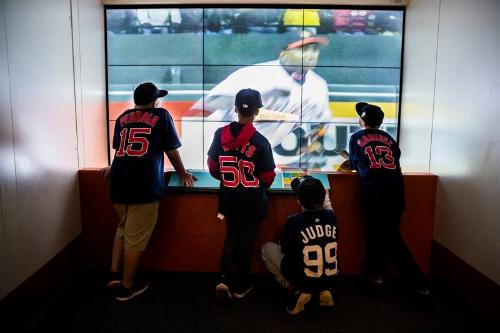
x=310, y=192
x=372, y=115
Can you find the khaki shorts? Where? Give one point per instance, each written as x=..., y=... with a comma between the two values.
x=137, y=223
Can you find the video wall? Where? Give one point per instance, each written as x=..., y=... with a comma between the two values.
x=311, y=65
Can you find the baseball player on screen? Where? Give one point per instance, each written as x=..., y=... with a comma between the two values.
x=242, y=159
x=291, y=91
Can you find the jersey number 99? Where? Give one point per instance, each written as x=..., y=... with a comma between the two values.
x=316, y=261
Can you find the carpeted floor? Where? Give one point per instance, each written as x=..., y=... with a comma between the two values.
x=185, y=302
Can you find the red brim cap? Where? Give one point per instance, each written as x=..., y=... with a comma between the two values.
x=308, y=40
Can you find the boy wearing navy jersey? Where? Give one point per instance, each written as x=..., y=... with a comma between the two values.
x=242, y=159
x=141, y=136
x=374, y=154
x=305, y=260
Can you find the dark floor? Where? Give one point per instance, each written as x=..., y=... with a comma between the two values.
x=185, y=302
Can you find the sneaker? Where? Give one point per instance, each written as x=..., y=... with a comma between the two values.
x=376, y=286
x=222, y=290
x=240, y=290
x=422, y=291
x=114, y=280
x=325, y=298
x=297, y=302
x=124, y=294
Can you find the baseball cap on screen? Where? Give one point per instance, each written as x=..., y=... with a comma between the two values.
x=305, y=38
x=248, y=100
x=309, y=190
x=146, y=93
x=371, y=114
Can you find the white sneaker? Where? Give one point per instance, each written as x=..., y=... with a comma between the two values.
x=325, y=298
x=222, y=290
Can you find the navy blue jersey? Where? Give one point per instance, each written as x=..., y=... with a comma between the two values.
x=374, y=154
x=140, y=138
x=309, y=243
x=243, y=160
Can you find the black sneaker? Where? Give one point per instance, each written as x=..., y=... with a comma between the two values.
x=297, y=302
x=124, y=294
x=114, y=280
x=239, y=290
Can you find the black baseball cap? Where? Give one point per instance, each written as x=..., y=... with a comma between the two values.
x=309, y=190
x=248, y=100
x=146, y=93
x=371, y=114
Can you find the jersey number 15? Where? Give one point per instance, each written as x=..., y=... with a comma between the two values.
x=140, y=141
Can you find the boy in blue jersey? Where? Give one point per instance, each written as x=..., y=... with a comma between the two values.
x=142, y=135
x=305, y=260
x=374, y=154
x=242, y=159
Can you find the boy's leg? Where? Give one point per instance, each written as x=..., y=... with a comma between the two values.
x=272, y=256
x=115, y=275
x=376, y=245
x=247, y=234
x=403, y=256
x=141, y=220
x=230, y=251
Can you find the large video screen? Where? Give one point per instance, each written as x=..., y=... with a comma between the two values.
x=311, y=65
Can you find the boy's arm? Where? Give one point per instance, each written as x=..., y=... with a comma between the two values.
x=285, y=241
x=213, y=156
x=175, y=159
x=213, y=168
x=327, y=204
x=267, y=166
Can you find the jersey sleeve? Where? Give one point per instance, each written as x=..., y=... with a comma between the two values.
x=352, y=154
x=116, y=135
x=215, y=147
x=286, y=241
x=266, y=165
x=170, y=139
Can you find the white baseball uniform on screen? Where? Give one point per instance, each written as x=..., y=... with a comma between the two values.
x=280, y=93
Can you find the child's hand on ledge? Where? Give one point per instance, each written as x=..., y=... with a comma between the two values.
x=104, y=172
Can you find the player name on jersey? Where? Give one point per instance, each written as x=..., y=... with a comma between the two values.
x=318, y=231
x=367, y=138
x=139, y=117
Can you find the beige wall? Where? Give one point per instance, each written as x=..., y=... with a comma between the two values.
x=454, y=114
x=41, y=99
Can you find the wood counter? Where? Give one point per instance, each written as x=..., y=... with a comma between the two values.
x=189, y=237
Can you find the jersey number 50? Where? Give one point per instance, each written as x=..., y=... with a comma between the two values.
x=229, y=165
x=314, y=258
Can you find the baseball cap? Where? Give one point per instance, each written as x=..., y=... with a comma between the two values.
x=307, y=37
x=248, y=100
x=147, y=92
x=371, y=114
x=309, y=190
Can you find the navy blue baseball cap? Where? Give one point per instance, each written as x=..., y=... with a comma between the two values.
x=248, y=100
x=371, y=114
x=146, y=93
x=309, y=190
